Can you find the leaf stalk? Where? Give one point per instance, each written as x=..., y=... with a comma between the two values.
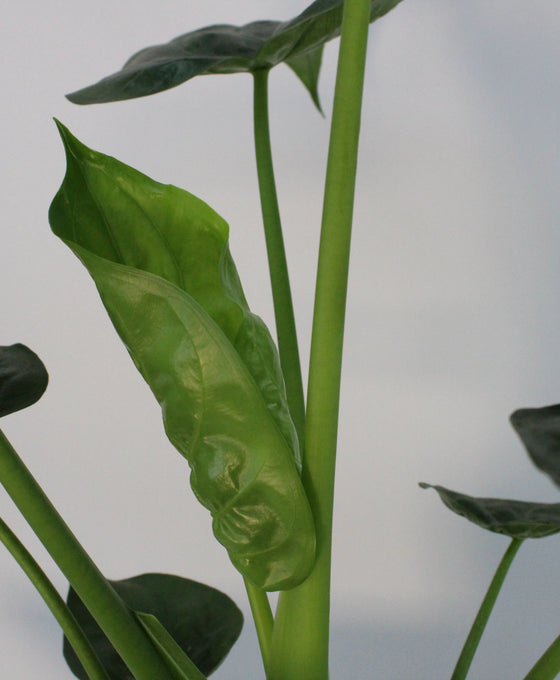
x=262, y=617
x=55, y=603
x=301, y=631
x=471, y=644
x=118, y=623
x=548, y=666
x=276, y=253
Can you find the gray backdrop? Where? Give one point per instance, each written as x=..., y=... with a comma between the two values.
x=453, y=316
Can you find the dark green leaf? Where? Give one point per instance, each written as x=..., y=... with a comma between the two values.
x=539, y=430
x=228, y=49
x=204, y=622
x=160, y=261
x=23, y=378
x=307, y=66
x=516, y=519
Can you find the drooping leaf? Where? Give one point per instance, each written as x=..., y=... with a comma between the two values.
x=229, y=49
x=307, y=66
x=516, y=519
x=539, y=430
x=160, y=261
x=204, y=622
x=23, y=378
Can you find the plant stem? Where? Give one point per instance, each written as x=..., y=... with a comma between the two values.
x=278, y=267
x=118, y=623
x=471, y=643
x=301, y=629
x=55, y=603
x=262, y=616
x=548, y=666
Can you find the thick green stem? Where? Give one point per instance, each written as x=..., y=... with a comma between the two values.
x=479, y=624
x=120, y=626
x=548, y=666
x=278, y=267
x=55, y=603
x=301, y=629
x=262, y=616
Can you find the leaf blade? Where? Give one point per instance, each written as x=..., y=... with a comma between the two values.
x=23, y=378
x=539, y=430
x=241, y=467
x=516, y=519
x=223, y=49
x=307, y=67
x=117, y=213
x=203, y=622
x=211, y=365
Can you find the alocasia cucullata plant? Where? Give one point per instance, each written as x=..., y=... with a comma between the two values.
x=261, y=456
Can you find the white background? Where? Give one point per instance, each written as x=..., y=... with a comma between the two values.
x=453, y=314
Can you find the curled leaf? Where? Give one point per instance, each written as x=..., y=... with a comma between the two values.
x=108, y=209
x=160, y=261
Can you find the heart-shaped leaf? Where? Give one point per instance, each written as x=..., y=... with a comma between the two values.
x=203, y=621
x=160, y=261
x=23, y=378
x=539, y=430
x=516, y=519
x=229, y=49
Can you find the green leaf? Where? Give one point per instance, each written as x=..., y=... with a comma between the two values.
x=516, y=519
x=539, y=430
x=208, y=362
x=307, y=66
x=228, y=49
x=201, y=620
x=121, y=215
x=23, y=378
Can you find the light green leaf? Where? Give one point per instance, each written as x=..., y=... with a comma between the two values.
x=516, y=519
x=178, y=307
x=113, y=211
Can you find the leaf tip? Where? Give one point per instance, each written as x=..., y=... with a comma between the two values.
x=65, y=134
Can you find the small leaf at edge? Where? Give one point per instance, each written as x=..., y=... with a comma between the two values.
x=539, y=430
x=516, y=519
x=23, y=378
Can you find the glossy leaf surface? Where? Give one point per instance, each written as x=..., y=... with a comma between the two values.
x=204, y=622
x=516, y=519
x=23, y=378
x=229, y=49
x=111, y=210
x=160, y=261
x=539, y=430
